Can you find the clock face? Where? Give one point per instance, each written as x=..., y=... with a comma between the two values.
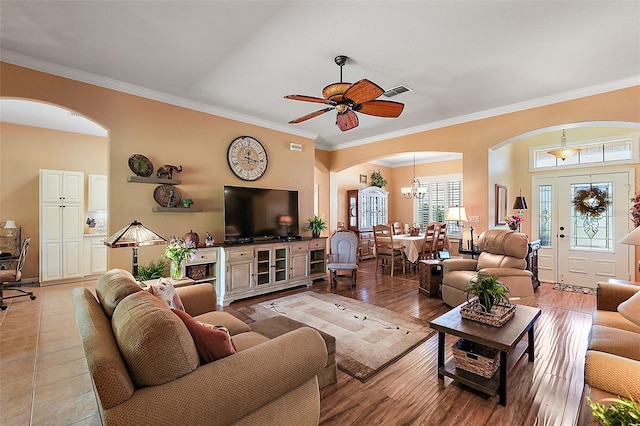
x=247, y=158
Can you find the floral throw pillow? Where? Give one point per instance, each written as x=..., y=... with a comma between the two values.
x=164, y=290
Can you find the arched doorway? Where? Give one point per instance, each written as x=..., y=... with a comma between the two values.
x=37, y=135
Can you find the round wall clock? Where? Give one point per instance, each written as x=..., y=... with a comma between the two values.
x=247, y=158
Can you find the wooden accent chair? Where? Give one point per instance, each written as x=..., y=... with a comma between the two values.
x=398, y=228
x=388, y=253
x=10, y=279
x=343, y=255
x=430, y=243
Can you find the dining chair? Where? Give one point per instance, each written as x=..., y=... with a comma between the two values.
x=343, y=256
x=386, y=251
x=443, y=240
x=10, y=279
x=398, y=228
x=430, y=243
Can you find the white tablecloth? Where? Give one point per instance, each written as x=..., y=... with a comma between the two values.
x=412, y=246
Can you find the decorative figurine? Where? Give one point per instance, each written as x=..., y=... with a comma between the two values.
x=208, y=240
x=168, y=170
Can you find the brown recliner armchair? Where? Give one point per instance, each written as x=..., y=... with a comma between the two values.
x=503, y=254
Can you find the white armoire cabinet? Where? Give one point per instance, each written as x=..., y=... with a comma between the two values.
x=61, y=224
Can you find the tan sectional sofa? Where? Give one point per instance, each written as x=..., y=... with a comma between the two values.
x=146, y=371
x=612, y=364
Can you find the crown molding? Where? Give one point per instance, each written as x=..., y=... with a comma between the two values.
x=520, y=106
x=131, y=89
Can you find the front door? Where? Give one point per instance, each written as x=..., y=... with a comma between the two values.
x=579, y=245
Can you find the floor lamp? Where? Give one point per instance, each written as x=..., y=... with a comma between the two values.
x=134, y=236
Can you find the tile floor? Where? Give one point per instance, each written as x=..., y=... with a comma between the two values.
x=43, y=372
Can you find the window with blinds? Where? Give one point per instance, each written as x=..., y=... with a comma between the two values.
x=442, y=192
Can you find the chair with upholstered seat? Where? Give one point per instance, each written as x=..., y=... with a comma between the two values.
x=387, y=252
x=343, y=256
x=10, y=279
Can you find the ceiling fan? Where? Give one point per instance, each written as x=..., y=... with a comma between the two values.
x=347, y=99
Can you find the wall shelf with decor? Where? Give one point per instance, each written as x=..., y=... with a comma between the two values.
x=141, y=179
x=177, y=209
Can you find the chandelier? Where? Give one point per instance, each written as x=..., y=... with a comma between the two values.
x=563, y=152
x=415, y=190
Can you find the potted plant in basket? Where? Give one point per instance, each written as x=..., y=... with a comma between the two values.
x=315, y=225
x=489, y=290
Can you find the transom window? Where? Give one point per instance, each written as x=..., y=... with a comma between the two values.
x=595, y=153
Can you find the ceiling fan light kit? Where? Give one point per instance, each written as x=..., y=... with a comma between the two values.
x=347, y=99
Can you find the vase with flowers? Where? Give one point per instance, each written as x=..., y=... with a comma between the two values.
x=513, y=221
x=178, y=250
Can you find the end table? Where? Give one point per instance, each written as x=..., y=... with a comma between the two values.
x=430, y=277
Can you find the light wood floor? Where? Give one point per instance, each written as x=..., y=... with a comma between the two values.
x=44, y=379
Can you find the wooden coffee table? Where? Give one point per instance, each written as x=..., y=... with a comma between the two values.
x=506, y=339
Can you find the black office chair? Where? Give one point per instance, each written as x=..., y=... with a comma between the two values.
x=11, y=279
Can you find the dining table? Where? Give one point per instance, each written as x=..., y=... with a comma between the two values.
x=412, y=245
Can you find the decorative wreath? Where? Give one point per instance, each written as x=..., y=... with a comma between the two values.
x=591, y=202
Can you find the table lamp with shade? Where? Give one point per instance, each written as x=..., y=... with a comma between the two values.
x=632, y=239
x=134, y=236
x=521, y=205
x=458, y=215
x=10, y=226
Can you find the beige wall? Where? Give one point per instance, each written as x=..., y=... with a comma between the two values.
x=198, y=141
x=166, y=134
x=23, y=152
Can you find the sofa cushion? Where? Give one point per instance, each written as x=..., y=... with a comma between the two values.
x=615, y=374
x=615, y=320
x=113, y=286
x=615, y=341
x=165, y=291
x=225, y=319
x=154, y=342
x=211, y=344
x=248, y=340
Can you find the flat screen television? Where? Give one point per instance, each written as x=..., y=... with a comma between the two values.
x=259, y=213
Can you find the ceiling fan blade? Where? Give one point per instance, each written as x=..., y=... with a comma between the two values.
x=363, y=91
x=380, y=108
x=347, y=120
x=306, y=98
x=308, y=116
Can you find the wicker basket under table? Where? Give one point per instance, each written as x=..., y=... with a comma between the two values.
x=476, y=358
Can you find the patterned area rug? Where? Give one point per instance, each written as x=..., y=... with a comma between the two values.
x=368, y=338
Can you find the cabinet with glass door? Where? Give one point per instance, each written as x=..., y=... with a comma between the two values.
x=366, y=208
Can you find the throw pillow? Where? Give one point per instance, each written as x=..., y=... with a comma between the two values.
x=211, y=343
x=221, y=328
x=164, y=290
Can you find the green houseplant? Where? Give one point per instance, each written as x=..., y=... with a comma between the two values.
x=488, y=289
x=152, y=270
x=315, y=225
x=622, y=412
x=378, y=180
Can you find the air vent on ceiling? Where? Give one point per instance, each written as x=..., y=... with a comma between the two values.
x=394, y=91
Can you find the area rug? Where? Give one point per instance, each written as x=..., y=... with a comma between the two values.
x=574, y=288
x=368, y=337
